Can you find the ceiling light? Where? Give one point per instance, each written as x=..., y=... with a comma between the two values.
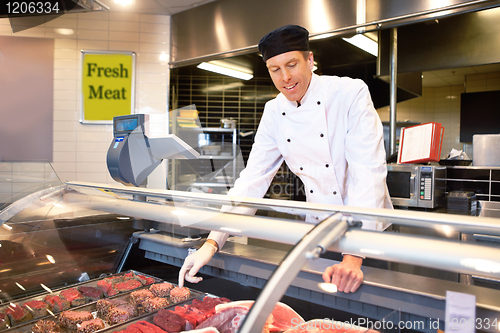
x=364, y=43
x=163, y=57
x=225, y=71
x=123, y=2
x=64, y=31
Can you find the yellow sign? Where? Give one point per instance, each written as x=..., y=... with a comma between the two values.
x=107, y=86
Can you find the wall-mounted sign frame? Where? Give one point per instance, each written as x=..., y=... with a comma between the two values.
x=108, y=86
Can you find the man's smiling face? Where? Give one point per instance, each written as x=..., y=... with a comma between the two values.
x=291, y=73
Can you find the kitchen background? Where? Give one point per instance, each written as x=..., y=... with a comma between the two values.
x=79, y=151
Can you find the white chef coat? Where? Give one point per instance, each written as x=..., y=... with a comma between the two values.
x=333, y=141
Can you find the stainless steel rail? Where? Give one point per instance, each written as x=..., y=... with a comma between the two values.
x=466, y=224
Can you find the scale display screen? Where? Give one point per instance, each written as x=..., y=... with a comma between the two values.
x=127, y=124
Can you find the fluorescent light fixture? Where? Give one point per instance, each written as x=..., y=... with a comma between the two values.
x=225, y=71
x=64, y=31
x=123, y=2
x=163, y=57
x=364, y=43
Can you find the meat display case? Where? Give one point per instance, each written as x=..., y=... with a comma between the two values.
x=155, y=220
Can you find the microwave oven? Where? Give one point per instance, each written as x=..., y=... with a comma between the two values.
x=413, y=185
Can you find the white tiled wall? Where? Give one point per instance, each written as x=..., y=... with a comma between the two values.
x=80, y=150
x=442, y=105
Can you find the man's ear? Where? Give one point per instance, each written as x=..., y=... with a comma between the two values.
x=310, y=59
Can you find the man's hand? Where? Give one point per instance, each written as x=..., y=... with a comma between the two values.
x=347, y=275
x=195, y=261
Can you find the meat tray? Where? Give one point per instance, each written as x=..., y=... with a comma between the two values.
x=91, y=307
x=88, y=303
x=150, y=316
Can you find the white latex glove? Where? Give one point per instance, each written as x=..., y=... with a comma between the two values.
x=194, y=262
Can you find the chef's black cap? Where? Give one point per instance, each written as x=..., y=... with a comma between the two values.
x=285, y=39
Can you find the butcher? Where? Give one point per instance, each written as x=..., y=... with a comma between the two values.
x=329, y=134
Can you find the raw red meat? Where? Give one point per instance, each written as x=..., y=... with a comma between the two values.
x=127, y=285
x=155, y=328
x=282, y=317
x=73, y=296
x=17, y=314
x=232, y=326
x=37, y=308
x=203, y=306
x=198, y=314
x=90, y=292
x=190, y=320
x=71, y=319
x=220, y=318
x=120, y=313
x=172, y=316
x=167, y=325
x=56, y=303
x=205, y=330
x=90, y=326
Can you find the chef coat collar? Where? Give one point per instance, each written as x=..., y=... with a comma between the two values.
x=307, y=96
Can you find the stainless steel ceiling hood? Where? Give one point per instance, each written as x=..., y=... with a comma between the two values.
x=22, y=18
x=227, y=28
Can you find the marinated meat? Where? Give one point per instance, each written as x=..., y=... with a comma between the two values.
x=37, y=308
x=146, y=280
x=107, y=285
x=138, y=296
x=153, y=304
x=161, y=289
x=56, y=303
x=120, y=313
x=90, y=326
x=179, y=294
x=4, y=321
x=104, y=305
x=17, y=314
x=127, y=285
x=45, y=326
x=73, y=296
x=92, y=293
x=70, y=319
